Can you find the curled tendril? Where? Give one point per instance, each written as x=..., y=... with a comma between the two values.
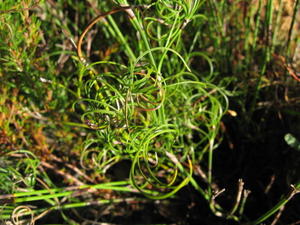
x=95, y=158
x=150, y=170
x=168, y=10
x=151, y=29
x=20, y=212
x=91, y=24
x=147, y=92
x=160, y=49
x=206, y=58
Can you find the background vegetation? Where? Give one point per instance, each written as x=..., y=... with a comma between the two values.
x=149, y=112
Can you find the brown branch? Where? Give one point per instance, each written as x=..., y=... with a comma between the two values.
x=62, y=173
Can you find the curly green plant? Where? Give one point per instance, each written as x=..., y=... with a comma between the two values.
x=151, y=107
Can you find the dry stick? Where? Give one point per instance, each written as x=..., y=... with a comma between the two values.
x=278, y=216
x=201, y=173
x=295, y=223
x=238, y=197
x=214, y=186
x=216, y=190
x=74, y=168
x=243, y=201
x=62, y=173
x=217, y=193
x=289, y=68
x=270, y=184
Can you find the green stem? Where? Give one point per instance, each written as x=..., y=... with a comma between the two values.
x=8, y=213
x=296, y=6
x=278, y=206
x=36, y=195
x=139, y=27
x=122, y=38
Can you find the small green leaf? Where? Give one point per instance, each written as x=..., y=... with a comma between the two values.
x=292, y=141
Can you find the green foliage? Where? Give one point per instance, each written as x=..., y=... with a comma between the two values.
x=154, y=92
x=292, y=141
x=149, y=85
